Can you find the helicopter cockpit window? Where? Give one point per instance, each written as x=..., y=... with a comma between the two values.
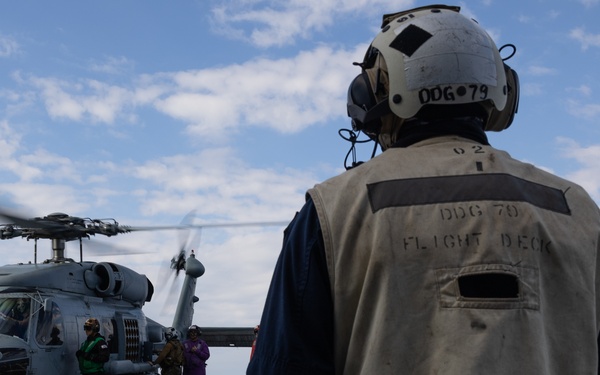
x=50, y=326
x=14, y=316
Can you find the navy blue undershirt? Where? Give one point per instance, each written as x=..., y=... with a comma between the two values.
x=296, y=328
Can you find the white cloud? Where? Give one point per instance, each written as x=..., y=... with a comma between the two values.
x=586, y=40
x=531, y=89
x=106, y=102
x=10, y=145
x=43, y=181
x=523, y=18
x=286, y=94
x=9, y=141
x=8, y=46
x=51, y=166
x=220, y=185
x=58, y=102
x=583, y=90
x=44, y=198
x=217, y=183
x=588, y=175
x=589, y=3
x=587, y=111
x=112, y=65
x=82, y=101
x=537, y=70
x=577, y=107
x=17, y=101
x=278, y=23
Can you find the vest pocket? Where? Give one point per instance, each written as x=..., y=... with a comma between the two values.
x=488, y=286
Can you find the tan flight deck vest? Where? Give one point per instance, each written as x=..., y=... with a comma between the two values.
x=407, y=249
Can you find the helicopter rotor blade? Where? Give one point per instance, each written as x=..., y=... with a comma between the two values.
x=17, y=220
x=170, y=297
x=195, y=241
x=58, y=221
x=207, y=225
x=62, y=228
x=98, y=248
x=184, y=235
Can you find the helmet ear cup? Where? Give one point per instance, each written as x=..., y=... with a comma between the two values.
x=363, y=108
x=360, y=101
x=500, y=120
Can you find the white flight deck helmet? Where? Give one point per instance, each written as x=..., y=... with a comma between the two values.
x=170, y=333
x=430, y=56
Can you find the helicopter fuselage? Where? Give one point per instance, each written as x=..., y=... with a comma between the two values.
x=43, y=308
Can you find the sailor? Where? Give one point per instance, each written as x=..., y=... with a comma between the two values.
x=94, y=350
x=170, y=358
x=195, y=352
x=373, y=280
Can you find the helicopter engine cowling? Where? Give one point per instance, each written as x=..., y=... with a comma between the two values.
x=113, y=280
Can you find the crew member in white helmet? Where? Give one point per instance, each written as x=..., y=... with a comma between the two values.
x=443, y=254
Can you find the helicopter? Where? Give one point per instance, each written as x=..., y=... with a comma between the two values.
x=44, y=305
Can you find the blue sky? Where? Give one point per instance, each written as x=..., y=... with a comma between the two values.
x=143, y=111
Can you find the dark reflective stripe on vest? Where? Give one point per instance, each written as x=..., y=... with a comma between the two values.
x=449, y=189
